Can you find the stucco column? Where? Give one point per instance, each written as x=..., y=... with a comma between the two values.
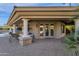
x=14, y=28
x=25, y=39
x=25, y=28
x=58, y=31
x=76, y=28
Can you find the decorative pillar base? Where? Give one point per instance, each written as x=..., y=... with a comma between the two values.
x=25, y=41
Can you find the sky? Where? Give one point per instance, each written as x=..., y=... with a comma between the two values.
x=6, y=9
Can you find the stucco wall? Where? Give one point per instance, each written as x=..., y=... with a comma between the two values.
x=57, y=28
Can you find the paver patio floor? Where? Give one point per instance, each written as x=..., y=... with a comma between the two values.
x=46, y=47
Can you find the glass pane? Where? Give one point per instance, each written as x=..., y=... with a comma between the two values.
x=51, y=29
x=41, y=29
x=46, y=30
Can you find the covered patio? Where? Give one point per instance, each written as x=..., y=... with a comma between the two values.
x=29, y=19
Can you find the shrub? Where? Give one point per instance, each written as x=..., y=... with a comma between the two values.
x=71, y=43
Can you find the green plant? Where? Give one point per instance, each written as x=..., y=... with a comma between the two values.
x=71, y=43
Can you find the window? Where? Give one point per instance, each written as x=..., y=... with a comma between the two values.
x=46, y=29
x=51, y=29
x=41, y=29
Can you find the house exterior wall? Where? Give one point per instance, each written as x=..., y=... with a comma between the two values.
x=35, y=25
x=42, y=16
x=58, y=30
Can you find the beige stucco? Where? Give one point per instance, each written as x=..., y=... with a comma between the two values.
x=35, y=25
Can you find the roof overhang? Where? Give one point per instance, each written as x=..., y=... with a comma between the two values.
x=42, y=12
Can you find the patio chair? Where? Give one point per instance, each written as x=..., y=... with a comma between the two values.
x=12, y=35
